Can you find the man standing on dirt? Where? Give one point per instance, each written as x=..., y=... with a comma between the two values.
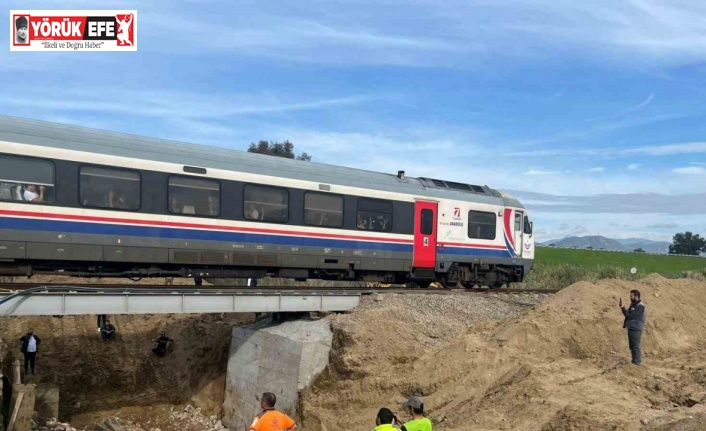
x=30, y=345
x=270, y=419
x=415, y=408
x=635, y=323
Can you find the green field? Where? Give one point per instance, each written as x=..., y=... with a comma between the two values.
x=559, y=267
x=645, y=263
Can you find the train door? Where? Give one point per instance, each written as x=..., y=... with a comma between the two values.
x=425, y=227
x=518, y=233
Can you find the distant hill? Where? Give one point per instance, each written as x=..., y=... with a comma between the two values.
x=598, y=242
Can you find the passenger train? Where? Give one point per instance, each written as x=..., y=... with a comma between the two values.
x=84, y=202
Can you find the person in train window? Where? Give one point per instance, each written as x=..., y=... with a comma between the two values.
x=30, y=194
x=174, y=205
x=116, y=199
x=5, y=191
x=362, y=223
x=251, y=212
x=213, y=205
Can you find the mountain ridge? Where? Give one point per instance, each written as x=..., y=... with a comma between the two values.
x=599, y=242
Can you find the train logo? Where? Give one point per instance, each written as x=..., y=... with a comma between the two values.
x=457, y=213
x=73, y=30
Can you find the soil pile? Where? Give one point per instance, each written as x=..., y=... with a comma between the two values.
x=561, y=366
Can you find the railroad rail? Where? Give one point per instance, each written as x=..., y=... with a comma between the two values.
x=144, y=288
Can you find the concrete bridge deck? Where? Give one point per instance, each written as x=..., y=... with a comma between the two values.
x=72, y=300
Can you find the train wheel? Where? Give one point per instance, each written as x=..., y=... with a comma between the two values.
x=447, y=284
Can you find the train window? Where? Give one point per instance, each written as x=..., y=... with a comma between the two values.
x=528, y=226
x=264, y=203
x=374, y=214
x=26, y=180
x=427, y=226
x=322, y=209
x=518, y=222
x=194, y=196
x=109, y=188
x=481, y=225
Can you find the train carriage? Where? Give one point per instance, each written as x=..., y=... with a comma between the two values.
x=85, y=202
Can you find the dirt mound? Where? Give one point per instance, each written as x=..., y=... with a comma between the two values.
x=560, y=366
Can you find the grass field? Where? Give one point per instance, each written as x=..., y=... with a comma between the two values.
x=557, y=267
x=645, y=263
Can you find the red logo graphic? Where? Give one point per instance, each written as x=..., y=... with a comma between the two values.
x=457, y=212
x=126, y=34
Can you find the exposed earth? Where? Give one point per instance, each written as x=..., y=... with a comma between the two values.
x=562, y=366
x=479, y=362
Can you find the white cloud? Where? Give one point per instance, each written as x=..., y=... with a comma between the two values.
x=649, y=150
x=691, y=170
x=540, y=172
x=634, y=166
x=176, y=104
x=597, y=169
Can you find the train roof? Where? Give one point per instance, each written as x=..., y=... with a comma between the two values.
x=77, y=138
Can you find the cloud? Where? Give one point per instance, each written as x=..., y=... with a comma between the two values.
x=315, y=37
x=634, y=166
x=597, y=169
x=540, y=172
x=663, y=226
x=691, y=170
x=179, y=104
x=628, y=203
x=651, y=150
x=643, y=104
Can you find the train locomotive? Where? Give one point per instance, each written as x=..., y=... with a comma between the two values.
x=90, y=203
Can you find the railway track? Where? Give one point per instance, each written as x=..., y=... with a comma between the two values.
x=58, y=287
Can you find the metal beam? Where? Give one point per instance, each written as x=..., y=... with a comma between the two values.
x=76, y=303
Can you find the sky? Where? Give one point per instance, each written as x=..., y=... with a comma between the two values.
x=591, y=113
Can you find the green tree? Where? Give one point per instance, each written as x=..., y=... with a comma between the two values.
x=687, y=243
x=638, y=250
x=278, y=149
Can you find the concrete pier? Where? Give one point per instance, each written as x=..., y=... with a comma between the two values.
x=283, y=359
x=47, y=401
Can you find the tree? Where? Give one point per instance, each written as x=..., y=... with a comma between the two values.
x=687, y=243
x=589, y=248
x=638, y=250
x=278, y=149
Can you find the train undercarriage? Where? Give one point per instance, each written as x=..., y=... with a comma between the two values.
x=458, y=275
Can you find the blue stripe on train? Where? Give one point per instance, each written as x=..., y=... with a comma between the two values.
x=195, y=234
x=206, y=235
x=465, y=251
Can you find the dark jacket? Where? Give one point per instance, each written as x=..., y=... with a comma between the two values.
x=162, y=342
x=635, y=316
x=25, y=342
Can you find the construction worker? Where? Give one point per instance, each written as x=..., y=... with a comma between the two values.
x=415, y=408
x=384, y=420
x=270, y=419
